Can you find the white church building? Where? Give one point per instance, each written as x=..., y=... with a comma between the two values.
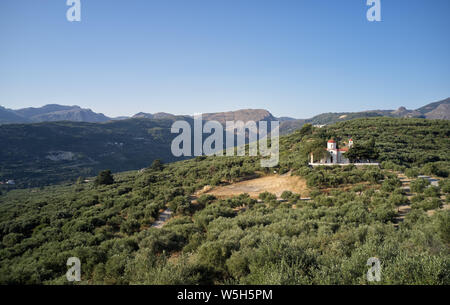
x=335, y=155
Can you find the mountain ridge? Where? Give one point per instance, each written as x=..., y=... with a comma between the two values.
x=51, y=113
x=54, y=112
x=435, y=110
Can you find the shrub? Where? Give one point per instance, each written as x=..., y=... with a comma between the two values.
x=398, y=200
x=237, y=264
x=390, y=184
x=384, y=213
x=432, y=169
x=130, y=226
x=412, y=172
x=428, y=204
x=286, y=195
x=206, y=199
x=432, y=191
x=444, y=225
x=157, y=165
x=266, y=196
x=124, y=190
x=104, y=178
x=444, y=184
x=417, y=198
x=11, y=239
x=388, y=165
x=419, y=185
x=179, y=201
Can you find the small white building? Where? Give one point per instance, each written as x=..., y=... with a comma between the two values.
x=335, y=155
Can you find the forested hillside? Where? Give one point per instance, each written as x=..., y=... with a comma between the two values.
x=350, y=217
x=54, y=152
x=47, y=153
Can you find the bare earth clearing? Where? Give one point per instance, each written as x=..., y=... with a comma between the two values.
x=274, y=184
x=277, y=184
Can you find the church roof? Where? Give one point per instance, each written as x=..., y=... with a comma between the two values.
x=331, y=141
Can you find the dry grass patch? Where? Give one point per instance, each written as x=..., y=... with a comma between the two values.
x=275, y=184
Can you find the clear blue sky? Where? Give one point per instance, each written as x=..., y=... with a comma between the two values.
x=295, y=58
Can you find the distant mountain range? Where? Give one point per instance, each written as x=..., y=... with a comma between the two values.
x=35, y=154
x=54, y=112
x=51, y=113
x=436, y=110
x=158, y=115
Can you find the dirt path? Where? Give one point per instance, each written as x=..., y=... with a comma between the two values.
x=403, y=210
x=162, y=219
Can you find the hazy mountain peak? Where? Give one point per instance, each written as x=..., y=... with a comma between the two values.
x=9, y=116
x=143, y=115
x=440, y=112
x=403, y=112
x=239, y=115
x=432, y=106
x=55, y=112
